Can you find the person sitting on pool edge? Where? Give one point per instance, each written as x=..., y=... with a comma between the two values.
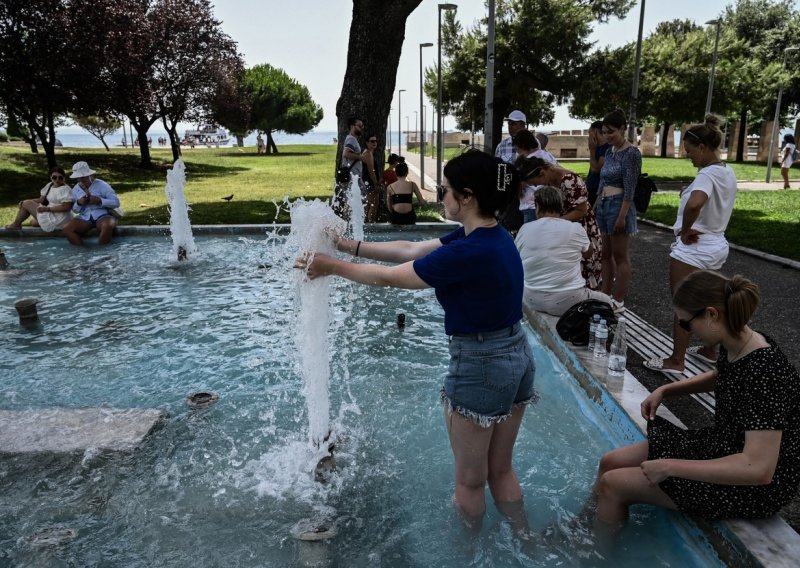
x=94, y=201
x=748, y=464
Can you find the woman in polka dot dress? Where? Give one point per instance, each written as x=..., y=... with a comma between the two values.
x=748, y=464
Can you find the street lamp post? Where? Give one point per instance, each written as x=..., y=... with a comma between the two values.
x=777, y=117
x=635, y=88
x=439, y=139
x=399, y=122
x=718, y=23
x=422, y=129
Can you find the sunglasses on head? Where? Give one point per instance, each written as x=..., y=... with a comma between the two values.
x=686, y=325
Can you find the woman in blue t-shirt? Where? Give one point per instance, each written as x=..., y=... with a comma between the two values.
x=478, y=277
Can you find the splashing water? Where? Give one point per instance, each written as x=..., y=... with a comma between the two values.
x=356, y=205
x=311, y=223
x=182, y=239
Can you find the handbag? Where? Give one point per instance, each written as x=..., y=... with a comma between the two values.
x=644, y=189
x=573, y=325
x=117, y=212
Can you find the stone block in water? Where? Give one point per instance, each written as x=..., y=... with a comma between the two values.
x=75, y=429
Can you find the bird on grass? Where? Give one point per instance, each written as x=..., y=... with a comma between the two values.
x=228, y=198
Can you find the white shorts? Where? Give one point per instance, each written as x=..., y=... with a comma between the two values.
x=709, y=252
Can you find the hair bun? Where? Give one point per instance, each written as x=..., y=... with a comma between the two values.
x=713, y=121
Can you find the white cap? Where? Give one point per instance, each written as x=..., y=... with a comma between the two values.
x=517, y=116
x=81, y=169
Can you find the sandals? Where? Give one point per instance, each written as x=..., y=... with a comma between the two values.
x=657, y=364
x=617, y=306
x=695, y=351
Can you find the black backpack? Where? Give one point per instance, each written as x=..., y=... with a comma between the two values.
x=574, y=324
x=644, y=189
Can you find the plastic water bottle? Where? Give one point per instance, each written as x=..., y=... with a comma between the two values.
x=600, y=339
x=617, y=357
x=593, y=323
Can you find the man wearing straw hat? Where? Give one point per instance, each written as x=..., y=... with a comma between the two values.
x=94, y=202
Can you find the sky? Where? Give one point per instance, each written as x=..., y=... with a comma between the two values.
x=308, y=40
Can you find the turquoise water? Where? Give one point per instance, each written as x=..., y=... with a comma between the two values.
x=224, y=487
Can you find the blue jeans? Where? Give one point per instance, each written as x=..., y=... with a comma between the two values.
x=607, y=211
x=489, y=374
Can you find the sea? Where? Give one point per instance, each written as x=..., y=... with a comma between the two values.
x=79, y=138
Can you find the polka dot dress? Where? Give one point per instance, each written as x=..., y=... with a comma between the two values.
x=760, y=391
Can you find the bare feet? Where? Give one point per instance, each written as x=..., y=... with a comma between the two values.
x=13, y=226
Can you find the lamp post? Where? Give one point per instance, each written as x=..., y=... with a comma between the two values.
x=389, y=129
x=422, y=130
x=446, y=6
x=407, y=129
x=777, y=117
x=416, y=125
x=399, y=122
x=718, y=23
x=635, y=88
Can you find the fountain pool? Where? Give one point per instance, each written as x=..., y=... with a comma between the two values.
x=121, y=326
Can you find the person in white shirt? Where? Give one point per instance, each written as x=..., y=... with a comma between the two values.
x=517, y=121
x=787, y=158
x=544, y=152
x=551, y=249
x=705, y=208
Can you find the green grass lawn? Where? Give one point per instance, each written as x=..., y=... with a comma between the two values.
x=256, y=182
x=764, y=220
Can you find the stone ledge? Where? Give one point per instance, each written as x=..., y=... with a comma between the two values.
x=768, y=542
x=65, y=430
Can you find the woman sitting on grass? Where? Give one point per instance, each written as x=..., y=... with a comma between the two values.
x=748, y=464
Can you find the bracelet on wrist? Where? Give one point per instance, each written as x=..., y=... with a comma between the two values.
x=358, y=246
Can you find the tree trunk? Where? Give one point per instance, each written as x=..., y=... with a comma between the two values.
x=240, y=141
x=48, y=141
x=664, y=133
x=377, y=31
x=144, y=148
x=740, y=151
x=502, y=106
x=271, y=147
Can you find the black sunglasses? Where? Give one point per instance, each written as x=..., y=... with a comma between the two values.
x=686, y=325
x=56, y=176
x=440, y=191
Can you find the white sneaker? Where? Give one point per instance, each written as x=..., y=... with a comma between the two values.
x=617, y=306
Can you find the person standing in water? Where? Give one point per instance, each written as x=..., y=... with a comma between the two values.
x=478, y=277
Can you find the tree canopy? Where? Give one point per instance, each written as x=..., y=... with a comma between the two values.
x=539, y=46
x=279, y=103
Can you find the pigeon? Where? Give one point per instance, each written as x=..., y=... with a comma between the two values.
x=228, y=199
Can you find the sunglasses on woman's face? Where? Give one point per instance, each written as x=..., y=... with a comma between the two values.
x=686, y=325
x=373, y=141
x=57, y=177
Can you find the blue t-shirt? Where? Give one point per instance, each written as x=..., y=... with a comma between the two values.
x=478, y=280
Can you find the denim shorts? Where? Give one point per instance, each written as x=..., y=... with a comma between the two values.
x=489, y=374
x=607, y=211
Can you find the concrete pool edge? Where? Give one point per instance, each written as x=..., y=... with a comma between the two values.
x=435, y=229
x=768, y=542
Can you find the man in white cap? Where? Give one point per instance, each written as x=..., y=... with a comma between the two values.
x=517, y=121
x=94, y=202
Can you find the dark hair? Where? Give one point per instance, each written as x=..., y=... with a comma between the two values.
x=736, y=299
x=401, y=169
x=392, y=159
x=549, y=198
x=708, y=133
x=596, y=125
x=493, y=182
x=527, y=166
x=525, y=139
x=352, y=120
x=788, y=138
x=58, y=169
x=368, y=136
x=543, y=139
x=615, y=119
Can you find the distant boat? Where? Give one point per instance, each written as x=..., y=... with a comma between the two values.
x=206, y=135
